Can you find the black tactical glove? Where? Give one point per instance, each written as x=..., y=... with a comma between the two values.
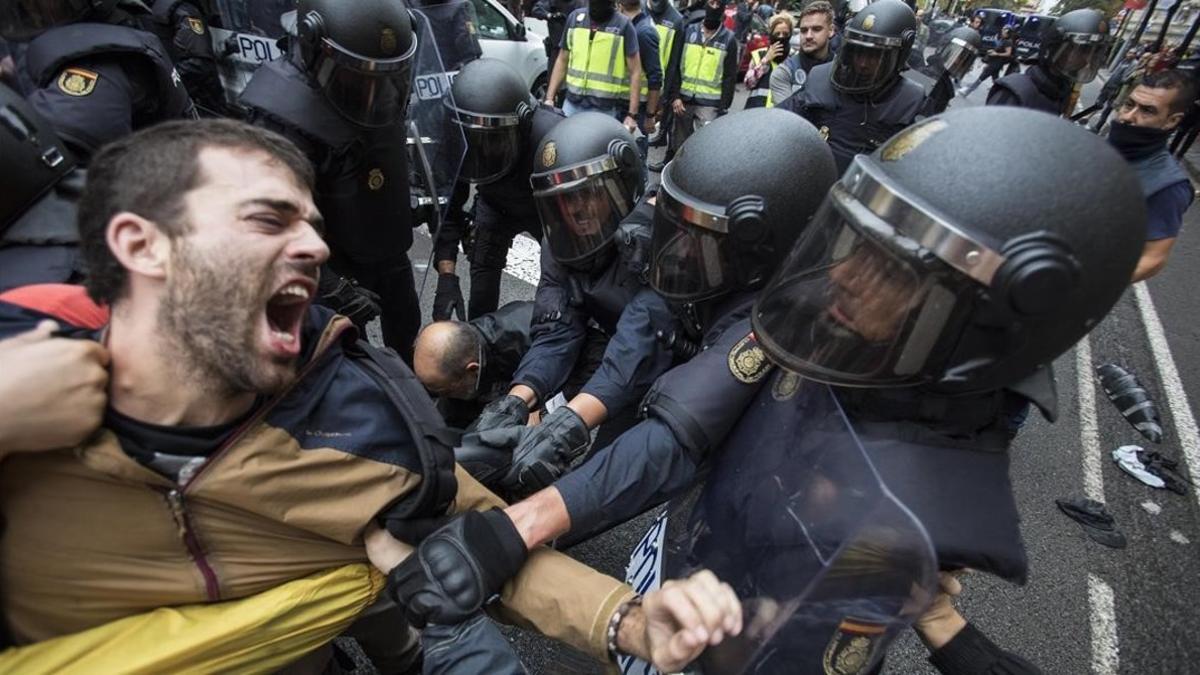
x=458, y=569
x=349, y=299
x=484, y=458
x=546, y=451
x=506, y=411
x=448, y=298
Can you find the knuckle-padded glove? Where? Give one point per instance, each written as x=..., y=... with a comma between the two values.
x=546, y=452
x=458, y=569
x=506, y=411
x=448, y=298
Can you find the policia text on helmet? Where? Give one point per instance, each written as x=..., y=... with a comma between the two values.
x=360, y=55
x=909, y=275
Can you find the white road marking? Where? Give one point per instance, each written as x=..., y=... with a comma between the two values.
x=1151, y=508
x=1181, y=413
x=1105, y=653
x=1089, y=428
x=1179, y=537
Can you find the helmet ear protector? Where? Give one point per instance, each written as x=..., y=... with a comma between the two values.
x=310, y=30
x=1038, y=275
x=629, y=165
x=751, y=246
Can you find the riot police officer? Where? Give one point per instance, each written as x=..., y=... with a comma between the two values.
x=38, y=237
x=927, y=313
x=97, y=76
x=182, y=27
x=859, y=99
x=1072, y=51
x=94, y=77
x=952, y=61
x=587, y=178
x=341, y=95
x=503, y=123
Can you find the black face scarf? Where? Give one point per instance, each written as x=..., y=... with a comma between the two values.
x=713, y=16
x=1136, y=143
x=601, y=10
x=785, y=47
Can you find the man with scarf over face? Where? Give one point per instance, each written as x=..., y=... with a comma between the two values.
x=1144, y=122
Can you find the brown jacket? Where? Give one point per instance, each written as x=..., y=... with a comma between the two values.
x=93, y=536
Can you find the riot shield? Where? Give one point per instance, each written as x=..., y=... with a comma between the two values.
x=436, y=145
x=246, y=34
x=828, y=564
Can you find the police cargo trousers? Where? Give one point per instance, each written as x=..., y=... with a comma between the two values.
x=494, y=233
x=693, y=117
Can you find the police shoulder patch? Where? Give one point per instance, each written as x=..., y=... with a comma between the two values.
x=197, y=25
x=852, y=648
x=747, y=362
x=77, y=81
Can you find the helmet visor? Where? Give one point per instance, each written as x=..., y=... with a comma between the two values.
x=580, y=217
x=1079, y=56
x=862, y=66
x=368, y=92
x=856, y=303
x=22, y=20
x=493, y=144
x=686, y=260
x=957, y=57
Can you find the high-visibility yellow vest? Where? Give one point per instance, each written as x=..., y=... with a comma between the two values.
x=596, y=60
x=761, y=94
x=666, y=40
x=703, y=67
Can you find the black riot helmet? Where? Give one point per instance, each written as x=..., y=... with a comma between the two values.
x=1074, y=46
x=718, y=231
x=587, y=176
x=914, y=273
x=875, y=47
x=491, y=104
x=360, y=55
x=957, y=54
x=22, y=20
x=32, y=156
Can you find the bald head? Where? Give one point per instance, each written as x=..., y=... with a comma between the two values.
x=446, y=358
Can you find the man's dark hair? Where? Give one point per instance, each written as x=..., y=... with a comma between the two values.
x=462, y=347
x=817, y=7
x=148, y=173
x=1182, y=83
x=630, y=3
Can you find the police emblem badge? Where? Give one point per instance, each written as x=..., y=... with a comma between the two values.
x=908, y=140
x=196, y=25
x=471, y=27
x=786, y=385
x=869, y=22
x=747, y=362
x=77, y=81
x=824, y=133
x=549, y=154
x=375, y=179
x=852, y=649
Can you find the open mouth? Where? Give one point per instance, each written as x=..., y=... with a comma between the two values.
x=285, y=315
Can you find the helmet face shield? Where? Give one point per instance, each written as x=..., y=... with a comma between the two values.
x=1078, y=56
x=687, y=263
x=865, y=63
x=368, y=92
x=580, y=209
x=859, y=302
x=957, y=57
x=493, y=144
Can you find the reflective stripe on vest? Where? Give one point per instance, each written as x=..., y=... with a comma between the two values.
x=596, y=64
x=704, y=68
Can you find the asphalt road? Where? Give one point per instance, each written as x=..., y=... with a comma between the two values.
x=1086, y=608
